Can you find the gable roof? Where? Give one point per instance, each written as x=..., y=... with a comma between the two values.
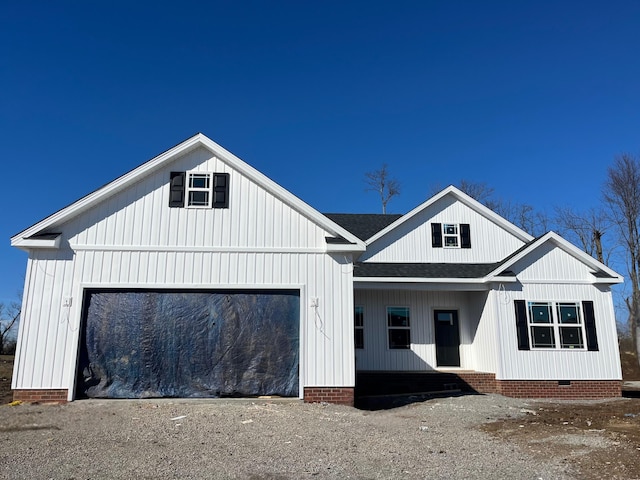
x=363, y=225
x=465, y=199
x=601, y=272
x=478, y=272
x=28, y=237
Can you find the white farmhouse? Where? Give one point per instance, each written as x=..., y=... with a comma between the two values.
x=194, y=275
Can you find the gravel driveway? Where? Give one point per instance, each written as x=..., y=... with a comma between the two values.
x=262, y=438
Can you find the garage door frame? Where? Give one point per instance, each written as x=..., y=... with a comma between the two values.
x=83, y=289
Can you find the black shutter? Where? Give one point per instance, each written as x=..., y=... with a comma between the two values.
x=590, y=325
x=521, y=324
x=436, y=235
x=176, y=191
x=465, y=235
x=220, y=190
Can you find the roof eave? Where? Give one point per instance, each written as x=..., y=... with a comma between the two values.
x=467, y=200
x=342, y=247
x=418, y=280
x=27, y=243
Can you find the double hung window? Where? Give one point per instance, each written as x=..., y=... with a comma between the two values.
x=399, y=327
x=556, y=325
x=199, y=189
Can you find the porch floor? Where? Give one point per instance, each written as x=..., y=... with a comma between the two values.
x=376, y=383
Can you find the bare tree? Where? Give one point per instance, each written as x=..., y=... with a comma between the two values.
x=622, y=196
x=521, y=214
x=380, y=181
x=584, y=228
x=9, y=316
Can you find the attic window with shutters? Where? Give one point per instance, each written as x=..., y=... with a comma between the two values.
x=199, y=190
x=450, y=235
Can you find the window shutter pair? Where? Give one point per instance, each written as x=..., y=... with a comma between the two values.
x=522, y=328
x=436, y=235
x=220, y=190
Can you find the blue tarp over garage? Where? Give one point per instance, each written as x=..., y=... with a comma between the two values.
x=142, y=344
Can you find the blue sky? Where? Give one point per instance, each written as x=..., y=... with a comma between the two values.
x=533, y=98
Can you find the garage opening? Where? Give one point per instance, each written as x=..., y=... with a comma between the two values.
x=189, y=343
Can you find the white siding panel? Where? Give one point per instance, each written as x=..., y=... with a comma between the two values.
x=411, y=242
x=52, y=331
x=549, y=263
x=44, y=332
x=140, y=216
x=560, y=364
x=483, y=354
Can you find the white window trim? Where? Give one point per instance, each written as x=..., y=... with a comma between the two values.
x=556, y=325
x=189, y=189
x=445, y=235
x=397, y=328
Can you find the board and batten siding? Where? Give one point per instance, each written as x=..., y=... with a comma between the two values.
x=140, y=217
x=44, y=344
x=411, y=242
x=134, y=240
x=476, y=340
x=551, y=275
x=559, y=364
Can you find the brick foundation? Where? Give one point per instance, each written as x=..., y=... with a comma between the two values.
x=48, y=396
x=573, y=390
x=336, y=395
x=479, y=382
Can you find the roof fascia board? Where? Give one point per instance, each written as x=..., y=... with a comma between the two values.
x=467, y=200
x=418, y=280
x=112, y=187
x=434, y=286
x=29, y=243
x=341, y=247
x=569, y=248
x=280, y=192
x=167, y=156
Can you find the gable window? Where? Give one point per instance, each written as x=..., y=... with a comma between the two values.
x=399, y=327
x=199, y=190
x=556, y=325
x=358, y=320
x=450, y=235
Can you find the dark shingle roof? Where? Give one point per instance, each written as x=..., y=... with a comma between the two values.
x=424, y=270
x=363, y=225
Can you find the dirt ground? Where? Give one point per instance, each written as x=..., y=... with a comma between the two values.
x=596, y=439
x=6, y=370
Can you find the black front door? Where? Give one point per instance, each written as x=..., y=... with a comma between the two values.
x=447, y=338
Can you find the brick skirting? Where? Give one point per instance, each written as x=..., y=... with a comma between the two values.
x=335, y=395
x=479, y=382
x=54, y=396
x=570, y=389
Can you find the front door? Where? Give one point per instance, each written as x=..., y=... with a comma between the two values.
x=447, y=338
